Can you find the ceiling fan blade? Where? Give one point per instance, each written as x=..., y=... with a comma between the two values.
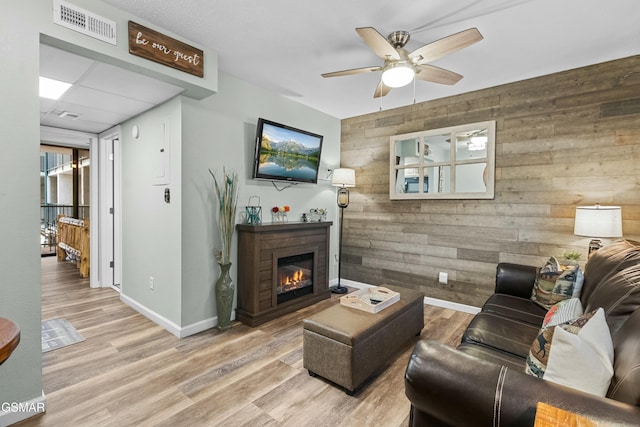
x=378, y=43
x=431, y=73
x=439, y=48
x=352, y=71
x=381, y=90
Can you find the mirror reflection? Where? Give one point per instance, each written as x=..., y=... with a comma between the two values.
x=454, y=162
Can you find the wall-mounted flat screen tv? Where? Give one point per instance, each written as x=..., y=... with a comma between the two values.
x=284, y=153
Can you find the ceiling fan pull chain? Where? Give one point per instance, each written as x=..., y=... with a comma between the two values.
x=414, y=91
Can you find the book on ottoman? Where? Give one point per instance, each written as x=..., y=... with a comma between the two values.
x=372, y=300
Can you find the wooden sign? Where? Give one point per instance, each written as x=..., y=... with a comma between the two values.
x=160, y=48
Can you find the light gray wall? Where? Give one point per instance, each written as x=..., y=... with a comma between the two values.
x=219, y=132
x=151, y=233
x=20, y=375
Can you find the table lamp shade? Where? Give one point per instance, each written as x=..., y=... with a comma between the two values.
x=598, y=221
x=344, y=177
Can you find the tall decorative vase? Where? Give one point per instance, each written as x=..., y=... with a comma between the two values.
x=225, y=289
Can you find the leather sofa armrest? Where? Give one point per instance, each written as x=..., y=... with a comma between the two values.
x=453, y=388
x=515, y=279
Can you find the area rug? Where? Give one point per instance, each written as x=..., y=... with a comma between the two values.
x=58, y=333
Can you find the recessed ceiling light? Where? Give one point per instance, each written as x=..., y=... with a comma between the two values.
x=52, y=89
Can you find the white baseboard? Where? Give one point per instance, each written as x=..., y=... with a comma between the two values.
x=452, y=305
x=178, y=331
x=14, y=412
x=427, y=300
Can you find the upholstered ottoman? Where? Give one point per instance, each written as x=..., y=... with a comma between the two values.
x=346, y=345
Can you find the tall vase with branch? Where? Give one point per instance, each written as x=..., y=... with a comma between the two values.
x=227, y=194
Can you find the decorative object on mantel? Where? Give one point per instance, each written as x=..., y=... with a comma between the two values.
x=598, y=221
x=317, y=214
x=227, y=193
x=254, y=212
x=342, y=178
x=279, y=214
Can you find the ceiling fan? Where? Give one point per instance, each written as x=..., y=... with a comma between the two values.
x=400, y=66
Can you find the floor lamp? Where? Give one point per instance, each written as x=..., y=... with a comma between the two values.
x=342, y=178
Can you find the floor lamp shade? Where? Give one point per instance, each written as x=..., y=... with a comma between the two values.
x=344, y=177
x=598, y=221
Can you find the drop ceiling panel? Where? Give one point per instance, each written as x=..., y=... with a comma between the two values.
x=103, y=95
x=61, y=65
x=91, y=114
x=47, y=104
x=115, y=80
x=105, y=101
x=79, y=125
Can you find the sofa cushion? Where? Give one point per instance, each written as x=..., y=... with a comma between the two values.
x=578, y=354
x=607, y=262
x=619, y=295
x=501, y=333
x=562, y=312
x=513, y=307
x=556, y=282
x=493, y=355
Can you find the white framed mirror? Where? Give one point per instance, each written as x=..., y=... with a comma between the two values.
x=456, y=162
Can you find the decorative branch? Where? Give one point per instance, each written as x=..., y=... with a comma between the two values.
x=227, y=193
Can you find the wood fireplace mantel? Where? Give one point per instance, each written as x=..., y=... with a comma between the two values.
x=259, y=247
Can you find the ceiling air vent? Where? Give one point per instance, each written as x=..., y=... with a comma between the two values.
x=90, y=24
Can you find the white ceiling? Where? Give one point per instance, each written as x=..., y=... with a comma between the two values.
x=102, y=95
x=284, y=46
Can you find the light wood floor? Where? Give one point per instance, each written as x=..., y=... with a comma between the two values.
x=131, y=372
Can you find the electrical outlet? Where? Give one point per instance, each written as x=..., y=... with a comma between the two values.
x=443, y=278
x=151, y=284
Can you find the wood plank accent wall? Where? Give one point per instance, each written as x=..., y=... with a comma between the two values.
x=562, y=140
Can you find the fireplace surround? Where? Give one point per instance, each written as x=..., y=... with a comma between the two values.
x=281, y=268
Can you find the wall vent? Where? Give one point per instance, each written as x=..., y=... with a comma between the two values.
x=90, y=24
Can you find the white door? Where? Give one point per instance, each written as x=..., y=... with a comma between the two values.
x=108, y=211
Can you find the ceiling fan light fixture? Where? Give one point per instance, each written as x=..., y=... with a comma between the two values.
x=398, y=74
x=477, y=143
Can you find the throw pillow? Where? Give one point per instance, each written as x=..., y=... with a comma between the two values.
x=556, y=282
x=577, y=354
x=562, y=312
x=583, y=361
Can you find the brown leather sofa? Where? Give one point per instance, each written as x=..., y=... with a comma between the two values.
x=483, y=381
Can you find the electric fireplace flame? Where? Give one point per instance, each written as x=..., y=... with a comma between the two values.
x=295, y=277
x=290, y=280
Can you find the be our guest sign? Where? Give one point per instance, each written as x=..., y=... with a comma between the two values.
x=160, y=48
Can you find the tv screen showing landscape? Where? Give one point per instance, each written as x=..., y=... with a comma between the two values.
x=286, y=153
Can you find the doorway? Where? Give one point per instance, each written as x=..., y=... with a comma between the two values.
x=81, y=180
x=64, y=190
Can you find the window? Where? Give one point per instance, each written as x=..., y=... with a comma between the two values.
x=449, y=163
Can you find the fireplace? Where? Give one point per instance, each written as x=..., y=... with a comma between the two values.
x=284, y=268
x=295, y=277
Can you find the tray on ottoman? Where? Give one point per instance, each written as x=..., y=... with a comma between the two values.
x=370, y=299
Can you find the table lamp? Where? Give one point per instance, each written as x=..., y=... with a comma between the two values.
x=598, y=221
x=342, y=178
